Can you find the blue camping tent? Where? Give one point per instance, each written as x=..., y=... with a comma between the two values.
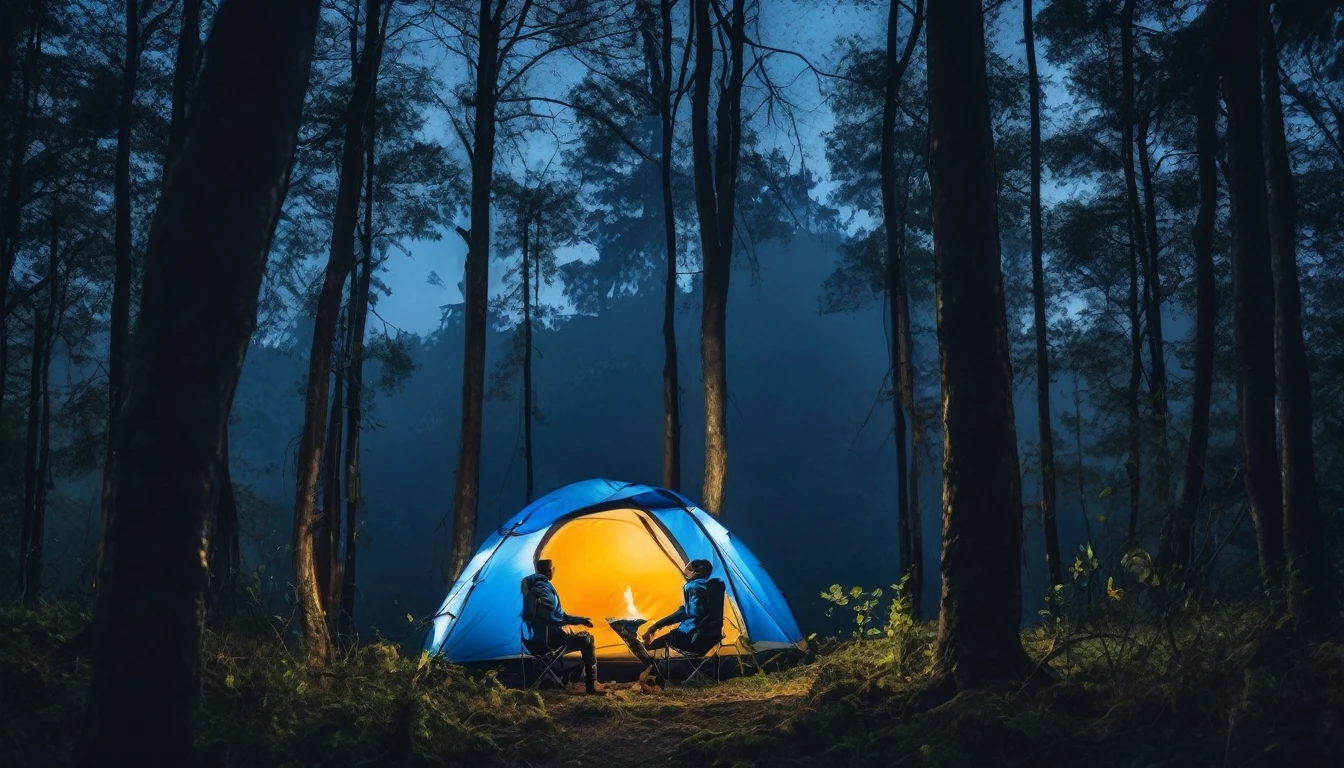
x=618, y=550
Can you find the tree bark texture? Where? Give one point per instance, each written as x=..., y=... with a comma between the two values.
x=1049, y=477
x=1137, y=255
x=1311, y=590
x=204, y=263
x=1174, y=553
x=311, y=598
x=1252, y=273
x=715, y=193
x=184, y=77
x=476, y=296
x=980, y=611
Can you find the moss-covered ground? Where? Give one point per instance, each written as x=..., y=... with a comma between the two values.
x=1222, y=689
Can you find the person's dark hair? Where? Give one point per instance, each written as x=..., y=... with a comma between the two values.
x=701, y=568
x=544, y=566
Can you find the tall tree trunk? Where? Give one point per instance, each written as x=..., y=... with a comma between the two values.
x=671, y=387
x=476, y=296
x=1043, y=420
x=1137, y=256
x=715, y=193
x=893, y=214
x=1311, y=590
x=1132, y=466
x=1174, y=553
x=327, y=530
x=31, y=532
x=184, y=76
x=225, y=554
x=527, y=358
x=1252, y=273
x=982, y=502
x=120, y=331
x=311, y=597
x=11, y=203
x=916, y=586
x=354, y=382
x=198, y=312
x=33, y=580
x=1152, y=279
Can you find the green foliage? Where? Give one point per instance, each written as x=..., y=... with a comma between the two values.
x=864, y=603
x=261, y=706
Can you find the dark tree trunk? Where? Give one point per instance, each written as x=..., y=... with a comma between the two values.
x=1174, y=554
x=893, y=214
x=184, y=76
x=31, y=532
x=1253, y=305
x=662, y=68
x=1311, y=590
x=527, y=360
x=359, y=312
x=476, y=296
x=1137, y=256
x=33, y=580
x=120, y=331
x=311, y=597
x=916, y=586
x=327, y=528
x=715, y=192
x=982, y=502
x=225, y=555
x=198, y=312
x=11, y=205
x=1043, y=421
x=1152, y=281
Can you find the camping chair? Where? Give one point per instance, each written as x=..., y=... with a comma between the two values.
x=697, y=663
x=549, y=660
x=713, y=623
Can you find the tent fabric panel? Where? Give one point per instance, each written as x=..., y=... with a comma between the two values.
x=543, y=512
x=768, y=596
x=489, y=622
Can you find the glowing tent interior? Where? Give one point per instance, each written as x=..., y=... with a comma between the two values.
x=618, y=551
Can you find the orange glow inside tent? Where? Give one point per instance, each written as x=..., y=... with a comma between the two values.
x=619, y=564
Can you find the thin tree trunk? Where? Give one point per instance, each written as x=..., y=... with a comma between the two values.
x=527, y=359
x=30, y=534
x=1132, y=467
x=327, y=530
x=1137, y=256
x=311, y=597
x=359, y=313
x=197, y=315
x=1157, y=381
x=1174, y=554
x=715, y=193
x=981, y=604
x=11, y=204
x=476, y=296
x=1043, y=420
x=893, y=214
x=1253, y=305
x=1312, y=600
x=33, y=580
x=120, y=331
x=671, y=386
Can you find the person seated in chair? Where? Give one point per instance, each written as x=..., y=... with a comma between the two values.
x=546, y=620
x=699, y=620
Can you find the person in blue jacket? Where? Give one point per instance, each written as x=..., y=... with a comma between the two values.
x=546, y=620
x=699, y=620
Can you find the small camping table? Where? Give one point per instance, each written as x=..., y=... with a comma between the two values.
x=627, y=630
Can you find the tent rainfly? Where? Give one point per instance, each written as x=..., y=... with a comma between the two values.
x=618, y=550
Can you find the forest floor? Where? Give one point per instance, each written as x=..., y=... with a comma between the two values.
x=1220, y=688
